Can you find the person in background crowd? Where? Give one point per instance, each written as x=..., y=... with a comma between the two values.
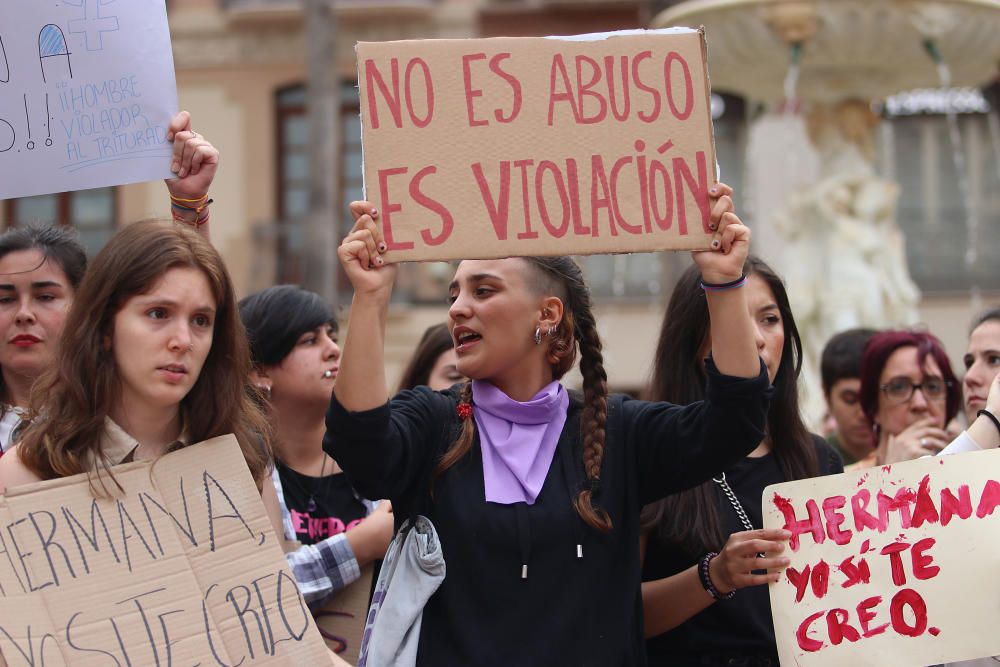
x=701, y=545
x=909, y=394
x=434, y=363
x=41, y=268
x=982, y=386
x=293, y=343
x=540, y=531
x=840, y=368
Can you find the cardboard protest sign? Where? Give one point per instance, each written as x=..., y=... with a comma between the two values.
x=479, y=148
x=87, y=91
x=894, y=565
x=341, y=621
x=182, y=567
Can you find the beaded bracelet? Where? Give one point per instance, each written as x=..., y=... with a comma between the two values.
x=721, y=287
x=706, y=578
x=992, y=417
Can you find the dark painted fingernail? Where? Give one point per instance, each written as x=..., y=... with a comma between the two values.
x=713, y=226
x=714, y=190
x=374, y=213
x=715, y=245
x=381, y=247
x=379, y=261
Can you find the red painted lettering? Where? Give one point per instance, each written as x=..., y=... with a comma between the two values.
x=923, y=508
x=898, y=503
x=499, y=208
x=820, y=579
x=922, y=568
x=807, y=643
x=586, y=90
x=566, y=95
x=699, y=189
x=908, y=598
x=433, y=205
x=952, y=506
x=615, y=170
x=854, y=574
x=866, y=616
x=597, y=202
x=989, y=500
x=389, y=207
x=800, y=580
x=543, y=212
x=428, y=92
x=666, y=220
x=896, y=561
x=515, y=89
x=653, y=114
x=862, y=517
x=813, y=524
x=834, y=518
x=839, y=628
x=373, y=80
x=609, y=73
x=572, y=177
x=528, y=233
x=470, y=92
x=674, y=57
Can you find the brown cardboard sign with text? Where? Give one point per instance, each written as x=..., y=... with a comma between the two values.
x=894, y=565
x=512, y=146
x=182, y=567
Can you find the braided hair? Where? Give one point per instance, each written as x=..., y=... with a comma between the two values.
x=562, y=277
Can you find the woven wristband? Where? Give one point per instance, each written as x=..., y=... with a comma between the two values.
x=721, y=287
x=706, y=578
x=992, y=418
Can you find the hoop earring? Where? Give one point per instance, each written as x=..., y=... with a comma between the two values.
x=552, y=331
x=538, y=335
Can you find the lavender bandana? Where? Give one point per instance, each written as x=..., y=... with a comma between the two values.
x=518, y=440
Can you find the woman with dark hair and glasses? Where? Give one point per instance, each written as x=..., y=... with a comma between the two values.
x=909, y=394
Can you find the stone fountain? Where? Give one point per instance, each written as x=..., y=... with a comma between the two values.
x=822, y=215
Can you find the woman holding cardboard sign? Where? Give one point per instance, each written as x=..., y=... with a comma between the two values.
x=700, y=546
x=535, y=494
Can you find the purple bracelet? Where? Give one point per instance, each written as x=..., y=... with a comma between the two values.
x=706, y=579
x=721, y=287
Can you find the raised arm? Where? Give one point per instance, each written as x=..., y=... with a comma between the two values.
x=733, y=342
x=361, y=383
x=195, y=162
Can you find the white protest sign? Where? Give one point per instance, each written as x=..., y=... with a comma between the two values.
x=181, y=567
x=895, y=565
x=87, y=91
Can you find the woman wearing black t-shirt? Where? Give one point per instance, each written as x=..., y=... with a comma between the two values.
x=691, y=614
x=293, y=341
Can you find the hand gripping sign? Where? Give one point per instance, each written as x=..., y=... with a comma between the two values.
x=480, y=148
x=894, y=565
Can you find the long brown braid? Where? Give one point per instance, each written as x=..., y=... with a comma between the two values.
x=562, y=277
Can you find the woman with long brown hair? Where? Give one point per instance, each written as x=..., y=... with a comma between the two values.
x=152, y=357
x=535, y=493
x=701, y=545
